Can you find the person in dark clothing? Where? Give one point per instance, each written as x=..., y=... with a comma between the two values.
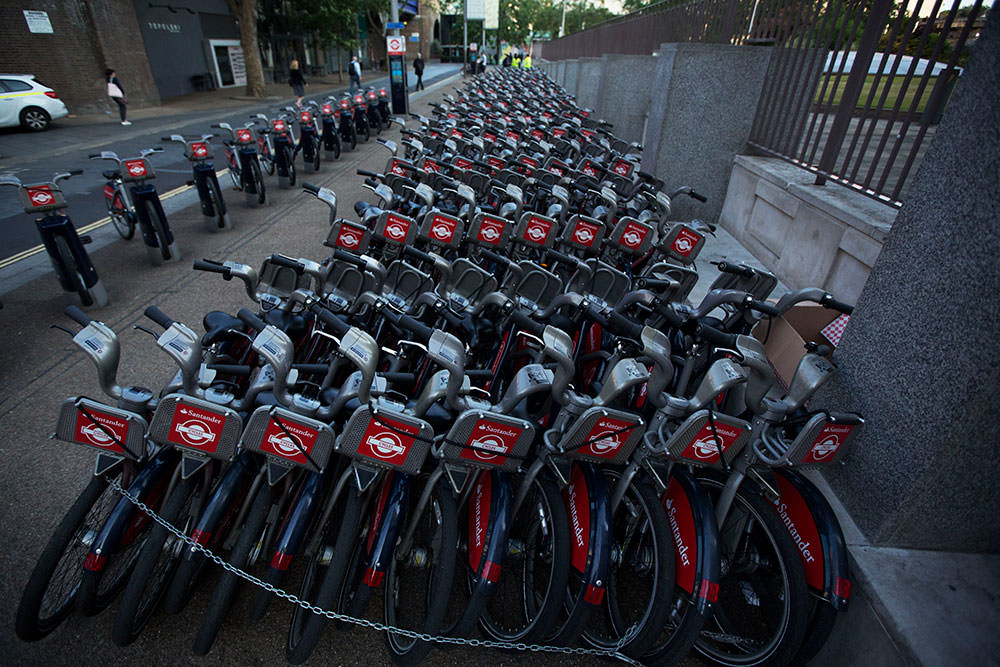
x=506, y=60
x=297, y=82
x=117, y=93
x=418, y=69
x=354, y=69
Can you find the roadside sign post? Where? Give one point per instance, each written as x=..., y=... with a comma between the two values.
x=396, y=50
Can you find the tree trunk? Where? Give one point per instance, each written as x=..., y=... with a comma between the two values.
x=246, y=15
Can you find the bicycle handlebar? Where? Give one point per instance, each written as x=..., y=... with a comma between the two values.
x=327, y=317
x=287, y=262
x=409, y=323
x=249, y=318
x=77, y=315
x=159, y=317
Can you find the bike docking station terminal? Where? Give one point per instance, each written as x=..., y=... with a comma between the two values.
x=396, y=50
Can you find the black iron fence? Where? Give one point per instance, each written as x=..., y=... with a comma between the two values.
x=854, y=89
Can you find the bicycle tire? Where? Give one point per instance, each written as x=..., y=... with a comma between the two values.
x=121, y=218
x=228, y=584
x=73, y=276
x=321, y=588
x=822, y=617
x=156, y=563
x=640, y=582
x=215, y=198
x=354, y=137
x=317, y=153
x=418, y=583
x=290, y=161
x=752, y=536
x=98, y=589
x=266, y=158
x=235, y=173
x=532, y=582
x=366, y=132
x=336, y=146
x=50, y=592
x=257, y=177
x=160, y=231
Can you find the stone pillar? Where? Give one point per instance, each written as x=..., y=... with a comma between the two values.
x=572, y=77
x=588, y=82
x=702, y=105
x=560, y=73
x=623, y=99
x=921, y=356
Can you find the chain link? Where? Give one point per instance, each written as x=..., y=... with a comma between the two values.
x=363, y=622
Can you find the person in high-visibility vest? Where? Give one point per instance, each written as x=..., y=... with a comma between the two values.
x=526, y=63
x=516, y=62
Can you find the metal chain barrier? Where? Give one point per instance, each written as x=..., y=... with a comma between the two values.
x=373, y=625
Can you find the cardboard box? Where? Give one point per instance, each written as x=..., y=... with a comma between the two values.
x=785, y=337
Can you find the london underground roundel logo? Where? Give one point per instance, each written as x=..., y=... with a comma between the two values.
x=604, y=442
x=825, y=447
x=136, y=168
x=195, y=432
x=583, y=235
x=632, y=238
x=385, y=445
x=395, y=230
x=442, y=230
x=489, y=233
x=284, y=444
x=707, y=447
x=348, y=238
x=40, y=197
x=683, y=245
x=492, y=443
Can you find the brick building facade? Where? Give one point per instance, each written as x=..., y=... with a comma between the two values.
x=87, y=36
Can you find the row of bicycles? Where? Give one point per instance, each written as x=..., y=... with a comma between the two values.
x=262, y=145
x=488, y=415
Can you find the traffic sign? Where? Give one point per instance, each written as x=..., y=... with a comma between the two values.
x=395, y=26
x=395, y=45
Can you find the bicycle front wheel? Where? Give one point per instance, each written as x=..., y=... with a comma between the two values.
x=226, y=588
x=159, y=225
x=120, y=216
x=155, y=566
x=316, y=154
x=640, y=581
x=763, y=604
x=74, y=279
x=267, y=158
x=418, y=583
x=51, y=590
x=532, y=583
x=290, y=161
x=257, y=178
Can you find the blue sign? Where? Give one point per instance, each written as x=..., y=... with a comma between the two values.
x=395, y=26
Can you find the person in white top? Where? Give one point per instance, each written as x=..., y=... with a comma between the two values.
x=354, y=69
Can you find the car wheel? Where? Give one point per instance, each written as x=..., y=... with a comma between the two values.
x=35, y=119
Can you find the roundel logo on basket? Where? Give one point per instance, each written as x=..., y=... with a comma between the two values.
x=585, y=233
x=243, y=135
x=827, y=443
x=327, y=109
x=279, y=126
x=135, y=167
x=706, y=445
x=106, y=433
x=396, y=228
x=387, y=440
x=199, y=149
x=197, y=428
x=606, y=437
x=491, y=230
x=40, y=196
x=348, y=237
x=443, y=229
x=489, y=441
x=537, y=230
x=633, y=235
x=622, y=168
x=397, y=168
x=685, y=242
x=277, y=441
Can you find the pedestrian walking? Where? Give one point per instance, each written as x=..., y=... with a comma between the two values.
x=354, y=69
x=297, y=82
x=117, y=93
x=418, y=69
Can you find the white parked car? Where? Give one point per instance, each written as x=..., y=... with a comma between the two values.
x=26, y=102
